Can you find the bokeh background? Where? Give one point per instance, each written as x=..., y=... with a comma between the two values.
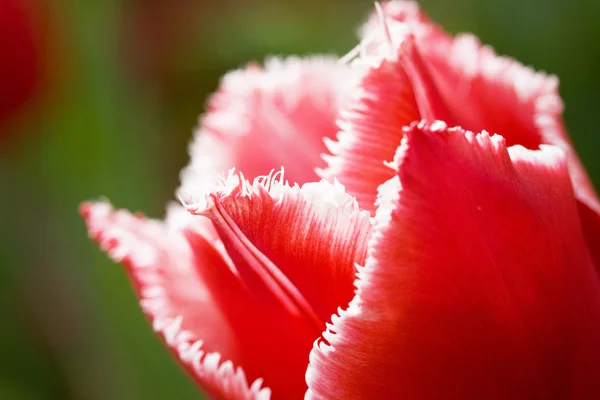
x=98, y=98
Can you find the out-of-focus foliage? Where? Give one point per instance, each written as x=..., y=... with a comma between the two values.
x=122, y=83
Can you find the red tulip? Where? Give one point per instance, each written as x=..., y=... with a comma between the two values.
x=472, y=274
x=20, y=66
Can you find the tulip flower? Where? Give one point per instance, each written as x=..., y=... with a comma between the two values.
x=20, y=68
x=449, y=252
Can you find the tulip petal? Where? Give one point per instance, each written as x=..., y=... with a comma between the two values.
x=498, y=94
x=315, y=233
x=295, y=250
x=166, y=274
x=394, y=90
x=371, y=125
x=590, y=223
x=261, y=119
x=485, y=91
x=477, y=284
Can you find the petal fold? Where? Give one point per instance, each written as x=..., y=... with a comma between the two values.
x=371, y=127
x=309, y=236
x=167, y=276
x=477, y=284
x=456, y=80
x=294, y=251
x=263, y=118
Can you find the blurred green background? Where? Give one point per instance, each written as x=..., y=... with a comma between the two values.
x=109, y=110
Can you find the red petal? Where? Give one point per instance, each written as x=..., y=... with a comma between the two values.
x=590, y=223
x=294, y=248
x=480, y=91
x=371, y=126
x=495, y=93
x=498, y=94
x=167, y=277
x=261, y=119
x=395, y=90
x=476, y=83
x=477, y=284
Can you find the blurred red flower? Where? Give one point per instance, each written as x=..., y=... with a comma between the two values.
x=20, y=49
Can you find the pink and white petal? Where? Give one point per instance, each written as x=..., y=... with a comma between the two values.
x=484, y=91
x=477, y=284
x=396, y=89
x=408, y=14
x=178, y=219
x=263, y=118
x=220, y=379
x=476, y=83
x=294, y=248
x=310, y=237
x=491, y=92
x=401, y=11
x=272, y=346
x=166, y=275
x=392, y=93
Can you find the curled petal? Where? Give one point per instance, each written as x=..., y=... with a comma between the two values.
x=167, y=276
x=261, y=119
x=309, y=237
x=477, y=284
x=473, y=88
x=294, y=249
x=487, y=91
x=394, y=91
x=482, y=90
